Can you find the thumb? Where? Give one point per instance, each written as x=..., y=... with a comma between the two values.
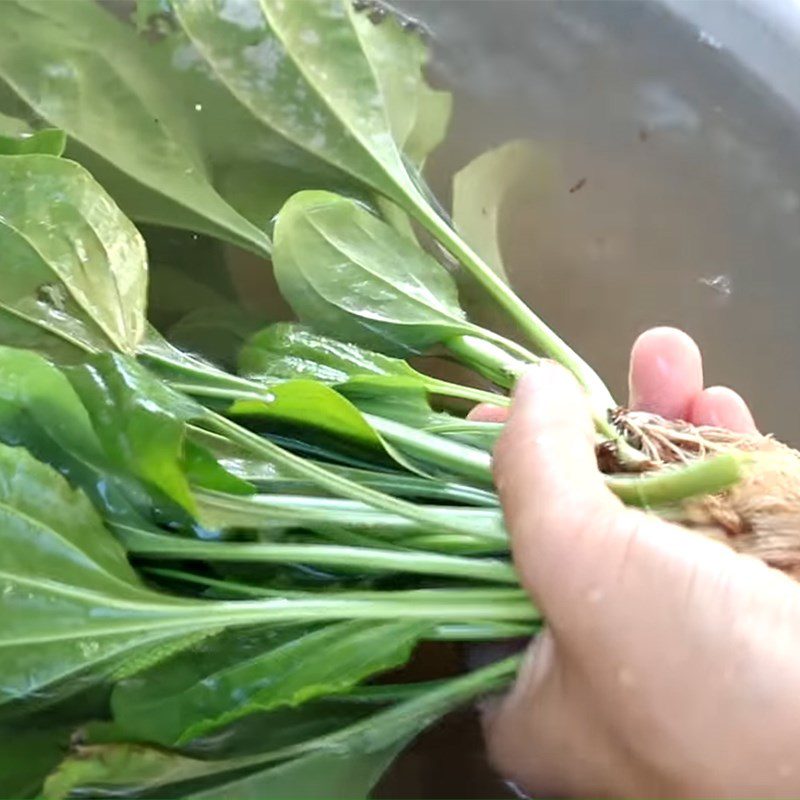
x=558, y=511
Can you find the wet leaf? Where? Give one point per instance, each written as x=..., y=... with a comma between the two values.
x=74, y=272
x=85, y=72
x=313, y=405
x=418, y=115
x=141, y=423
x=16, y=139
x=59, y=568
x=300, y=69
x=348, y=776
x=375, y=383
x=367, y=745
x=40, y=411
x=286, y=350
x=354, y=277
x=224, y=679
x=325, y=416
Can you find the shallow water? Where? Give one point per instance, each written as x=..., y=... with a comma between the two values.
x=684, y=210
x=687, y=206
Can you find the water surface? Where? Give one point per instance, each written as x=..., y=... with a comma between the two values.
x=685, y=210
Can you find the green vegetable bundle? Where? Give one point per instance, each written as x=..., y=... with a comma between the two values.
x=217, y=543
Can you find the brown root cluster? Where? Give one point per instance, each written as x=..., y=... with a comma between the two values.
x=760, y=515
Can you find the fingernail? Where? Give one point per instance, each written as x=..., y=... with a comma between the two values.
x=539, y=371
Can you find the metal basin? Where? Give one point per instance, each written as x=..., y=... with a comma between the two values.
x=674, y=130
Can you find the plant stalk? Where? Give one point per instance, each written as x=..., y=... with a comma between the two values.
x=451, y=456
x=495, y=364
x=285, y=511
x=329, y=481
x=544, y=339
x=142, y=543
x=447, y=389
x=671, y=485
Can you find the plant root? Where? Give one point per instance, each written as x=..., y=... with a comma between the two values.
x=759, y=516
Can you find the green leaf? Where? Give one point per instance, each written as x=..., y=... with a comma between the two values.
x=375, y=383
x=103, y=770
x=107, y=762
x=418, y=115
x=50, y=141
x=407, y=405
x=301, y=70
x=131, y=767
x=222, y=680
x=73, y=267
x=482, y=187
x=142, y=425
x=354, y=277
x=70, y=605
x=191, y=128
x=348, y=776
x=40, y=410
x=87, y=73
x=59, y=568
x=312, y=405
x=204, y=471
x=286, y=350
x=27, y=755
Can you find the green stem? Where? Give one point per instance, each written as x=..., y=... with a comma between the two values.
x=459, y=459
x=546, y=340
x=325, y=479
x=322, y=609
x=415, y=486
x=411, y=596
x=143, y=543
x=221, y=393
x=487, y=359
x=453, y=544
x=355, y=539
x=271, y=511
x=227, y=586
x=491, y=361
x=264, y=475
x=675, y=484
x=445, y=543
x=481, y=632
x=447, y=389
x=487, y=431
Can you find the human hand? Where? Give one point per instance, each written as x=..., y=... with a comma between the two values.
x=670, y=666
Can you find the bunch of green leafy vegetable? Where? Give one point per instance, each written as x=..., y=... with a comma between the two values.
x=210, y=556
